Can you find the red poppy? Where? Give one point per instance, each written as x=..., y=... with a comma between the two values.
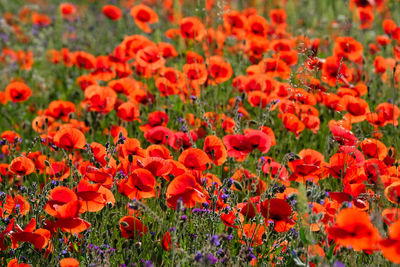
x=17, y=92
x=156, y=118
x=112, y=12
x=392, y=192
x=215, y=149
x=195, y=159
x=390, y=246
x=100, y=99
x=347, y=48
x=219, y=70
x=292, y=123
x=186, y=188
x=70, y=138
x=144, y=15
x=140, y=184
x=343, y=136
x=279, y=211
x=22, y=166
x=131, y=227
x=357, y=108
x=91, y=196
x=69, y=262
x=354, y=228
x=334, y=71
x=158, y=135
x=192, y=28
x=150, y=57
x=237, y=146
x=39, y=238
x=14, y=263
x=128, y=111
x=308, y=167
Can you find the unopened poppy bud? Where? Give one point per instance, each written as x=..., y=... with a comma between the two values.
x=238, y=185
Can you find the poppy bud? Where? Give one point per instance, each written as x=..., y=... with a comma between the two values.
x=238, y=185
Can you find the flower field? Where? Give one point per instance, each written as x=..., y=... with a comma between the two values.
x=199, y=133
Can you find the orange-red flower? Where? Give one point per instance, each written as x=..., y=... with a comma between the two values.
x=390, y=246
x=185, y=188
x=353, y=228
x=18, y=92
x=112, y=12
x=144, y=15
x=70, y=138
x=132, y=227
x=22, y=166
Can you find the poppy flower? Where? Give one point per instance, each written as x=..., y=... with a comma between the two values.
x=293, y=124
x=60, y=109
x=68, y=220
x=22, y=166
x=257, y=26
x=183, y=140
x=11, y=204
x=390, y=246
x=70, y=138
x=219, y=70
x=69, y=262
x=91, y=197
x=308, y=167
x=215, y=149
x=347, y=48
x=112, y=12
x=279, y=211
x=235, y=23
x=6, y=232
x=258, y=140
x=387, y=113
x=158, y=135
x=195, y=159
x=156, y=118
x=18, y=92
x=140, y=184
x=186, y=188
x=67, y=9
x=100, y=99
x=192, y=28
x=374, y=148
x=132, y=227
x=237, y=146
x=128, y=112
x=41, y=19
x=39, y=237
x=354, y=228
x=14, y=263
x=85, y=60
x=157, y=166
x=131, y=146
x=143, y=16
x=150, y=57
x=392, y=192
x=58, y=170
x=58, y=197
x=343, y=136
x=333, y=71
x=357, y=108
x=274, y=67
x=278, y=16
x=340, y=164
x=195, y=73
